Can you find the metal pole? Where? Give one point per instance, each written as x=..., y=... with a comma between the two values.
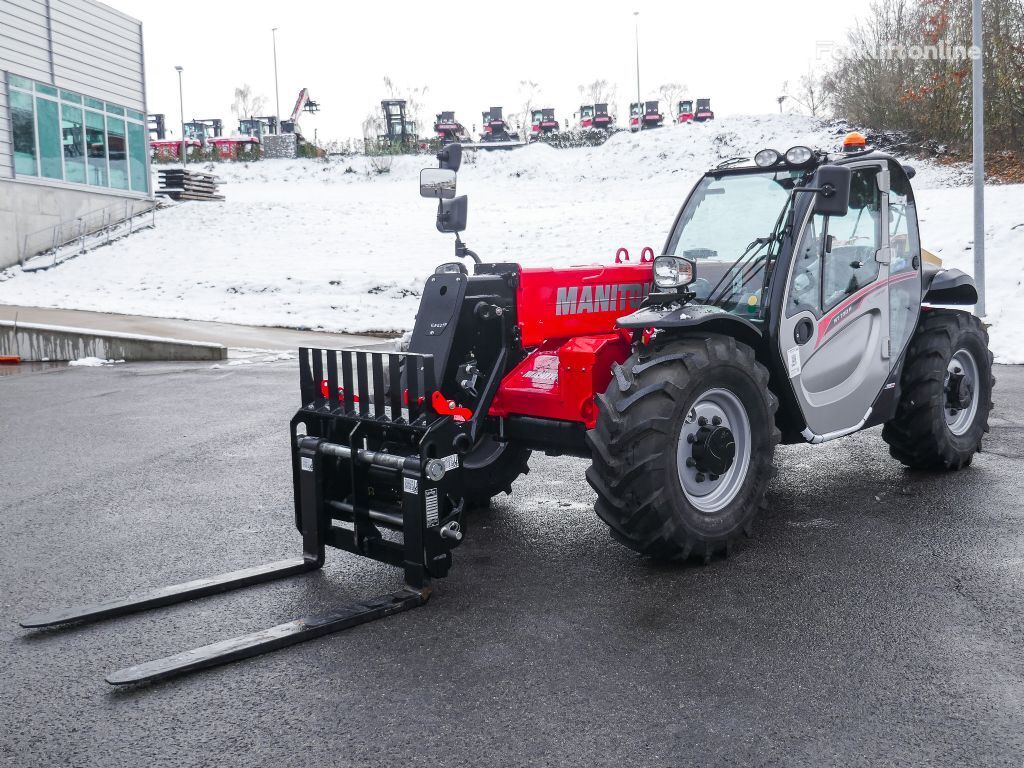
x=277, y=92
x=636, y=34
x=979, y=159
x=181, y=104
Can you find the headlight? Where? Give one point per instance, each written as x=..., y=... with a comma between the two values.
x=799, y=155
x=766, y=158
x=671, y=272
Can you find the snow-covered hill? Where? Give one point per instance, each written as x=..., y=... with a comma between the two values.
x=302, y=243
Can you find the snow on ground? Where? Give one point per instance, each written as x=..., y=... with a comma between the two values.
x=306, y=244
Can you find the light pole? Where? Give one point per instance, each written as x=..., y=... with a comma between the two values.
x=181, y=104
x=277, y=92
x=636, y=35
x=979, y=158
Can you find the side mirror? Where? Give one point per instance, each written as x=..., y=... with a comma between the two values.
x=833, y=185
x=438, y=183
x=909, y=170
x=451, y=215
x=450, y=157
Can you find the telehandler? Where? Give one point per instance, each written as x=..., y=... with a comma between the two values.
x=791, y=303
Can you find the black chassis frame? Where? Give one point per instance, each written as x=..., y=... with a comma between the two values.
x=669, y=314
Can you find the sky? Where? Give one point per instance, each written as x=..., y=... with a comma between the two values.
x=736, y=52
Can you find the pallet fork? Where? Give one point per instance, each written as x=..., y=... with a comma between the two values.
x=374, y=472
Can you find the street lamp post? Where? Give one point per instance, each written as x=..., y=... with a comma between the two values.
x=277, y=92
x=636, y=35
x=978, y=95
x=181, y=104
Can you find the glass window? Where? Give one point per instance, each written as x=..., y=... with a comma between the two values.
x=114, y=109
x=19, y=82
x=804, y=288
x=73, y=139
x=136, y=115
x=24, y=133
x=96, y=144
x=70, y=96
x=48, y=130
x=137, y=157
x=94, y=103
x=855, y=238
x=49, y=90
x=117, y=148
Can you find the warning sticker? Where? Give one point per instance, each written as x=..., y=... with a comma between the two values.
x=451, y=462
x=793, y=355
x=411, y=485
x=431, y=506
x=307, y=463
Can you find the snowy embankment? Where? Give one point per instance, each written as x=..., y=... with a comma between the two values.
x=305, y=244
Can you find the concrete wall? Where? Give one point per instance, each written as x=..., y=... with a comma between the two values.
x=83, y=46
x=27, y=208
x=36, y=343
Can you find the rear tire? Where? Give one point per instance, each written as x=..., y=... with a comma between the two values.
x=945, y=393
x=646, y=491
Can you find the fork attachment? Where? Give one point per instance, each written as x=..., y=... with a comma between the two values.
x=375, y=473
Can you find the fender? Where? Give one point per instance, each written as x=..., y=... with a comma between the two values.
x=694, y=317
x=950, y=286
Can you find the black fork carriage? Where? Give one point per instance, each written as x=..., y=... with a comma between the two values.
x=374, y=470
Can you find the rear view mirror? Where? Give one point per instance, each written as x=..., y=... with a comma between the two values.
x=832, y=195
x=451, y=215
x=450, y=157
x=438, y=183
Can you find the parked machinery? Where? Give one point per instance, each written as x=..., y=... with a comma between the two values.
x=543, y=122
x=645, y=115
x=684, y=111
x=448, y=129
x=703, y=111
x=496, y=128
x=399, y=131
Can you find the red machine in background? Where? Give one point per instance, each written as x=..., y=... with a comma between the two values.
x=645, y=115
x=448, y=129
x=684, y=111
x=703, y=112
x=595, y=116
x=543, y=122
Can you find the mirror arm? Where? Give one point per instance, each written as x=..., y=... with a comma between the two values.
x=826, y=191
x=462, y=251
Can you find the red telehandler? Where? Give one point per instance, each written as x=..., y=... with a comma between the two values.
x=791, y=303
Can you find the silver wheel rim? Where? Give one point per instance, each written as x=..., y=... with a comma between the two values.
x=709, y=495
x=959, y=420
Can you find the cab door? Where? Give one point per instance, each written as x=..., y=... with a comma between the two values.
x=834, y=331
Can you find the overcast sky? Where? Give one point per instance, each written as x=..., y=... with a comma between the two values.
x=473, y=55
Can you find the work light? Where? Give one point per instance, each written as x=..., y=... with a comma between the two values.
x=799, y=155
x=766, y=158
x=671, y=272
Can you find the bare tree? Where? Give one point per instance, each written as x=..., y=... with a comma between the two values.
x=671, y=94
x=810, y=93
x=529, y=92
x=247, y=104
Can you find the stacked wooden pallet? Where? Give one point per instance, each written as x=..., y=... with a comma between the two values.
x=179, y=184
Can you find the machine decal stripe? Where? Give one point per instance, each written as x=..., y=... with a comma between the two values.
x=837, y=316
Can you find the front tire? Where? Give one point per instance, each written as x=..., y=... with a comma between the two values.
x=668, y=483
x=490, y=468
x=945, y=393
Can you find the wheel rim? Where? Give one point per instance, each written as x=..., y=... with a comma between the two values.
x=961, y=387
x=703, y=449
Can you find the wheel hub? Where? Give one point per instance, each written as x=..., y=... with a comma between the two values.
x=959, y=393
x=713, y=449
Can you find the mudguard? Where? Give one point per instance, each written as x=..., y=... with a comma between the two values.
x=692, y=317
x=951, y=286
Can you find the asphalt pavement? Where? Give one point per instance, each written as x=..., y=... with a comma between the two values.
x=876, y=617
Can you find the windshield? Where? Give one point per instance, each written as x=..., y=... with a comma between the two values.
x=729, y=229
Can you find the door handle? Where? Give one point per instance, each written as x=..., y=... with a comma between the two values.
x=803, y=331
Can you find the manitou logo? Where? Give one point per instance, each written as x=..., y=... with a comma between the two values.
x=575, y=300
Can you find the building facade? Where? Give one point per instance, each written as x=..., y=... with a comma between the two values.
x=73, y=133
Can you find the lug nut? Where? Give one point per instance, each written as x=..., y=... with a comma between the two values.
x=700, y=477
x=690, y=438
x=716, y=420
x=702, y=421
x=691, y=463
x=712, y=476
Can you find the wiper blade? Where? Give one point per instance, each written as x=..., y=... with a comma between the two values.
x=759, y=243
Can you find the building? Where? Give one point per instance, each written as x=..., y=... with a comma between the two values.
x=73, y=133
